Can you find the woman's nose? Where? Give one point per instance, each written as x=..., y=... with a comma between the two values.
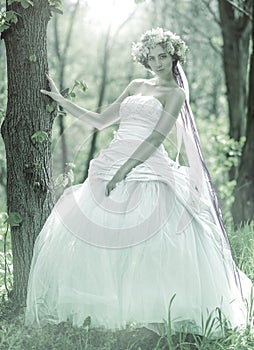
x=157, y=62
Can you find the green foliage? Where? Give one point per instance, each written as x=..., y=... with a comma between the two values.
x=72, y=94
x=227, y=154
x=14, y=219
x=24, y=3
x=50, y=108
x=32, y=58
x=229, y=149
x=55, y=6
x=14, y=336
x=39, y=136
x=55, y=3
x=57, y=10
x=6, y=19
x=11, y=17
x=242, y=241
x=81, y=85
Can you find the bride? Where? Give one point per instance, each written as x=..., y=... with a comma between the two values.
x=143, y=231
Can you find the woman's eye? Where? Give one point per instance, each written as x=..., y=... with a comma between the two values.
x=150, y=58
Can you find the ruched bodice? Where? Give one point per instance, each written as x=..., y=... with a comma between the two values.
x=139, y=115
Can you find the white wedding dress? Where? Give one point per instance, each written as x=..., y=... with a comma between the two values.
x=121, y=259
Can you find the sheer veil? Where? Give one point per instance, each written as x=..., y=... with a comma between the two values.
x=200, y=179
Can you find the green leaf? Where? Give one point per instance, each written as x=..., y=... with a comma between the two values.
x=11, y=17
x=6, y=19
x=72, y=94
x=3, y=27
x=55, y=3
x=14, y=219
x=56, y=10
x=26, y=3
x=39, y=136
x=50, y=108
x=65, y=92
x=33, y=58
x=81, y=85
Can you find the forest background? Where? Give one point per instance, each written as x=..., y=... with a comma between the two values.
x=88, y=52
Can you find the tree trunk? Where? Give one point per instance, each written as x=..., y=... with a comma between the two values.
x=29, y=178
x=243, y=207
x=236, y=33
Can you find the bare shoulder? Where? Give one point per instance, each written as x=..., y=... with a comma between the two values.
x=135, y=84
x=177, y=94
x=174, y=101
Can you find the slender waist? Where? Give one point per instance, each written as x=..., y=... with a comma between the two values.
x=132, y=132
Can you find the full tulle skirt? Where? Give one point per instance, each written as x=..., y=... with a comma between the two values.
x=122, y=259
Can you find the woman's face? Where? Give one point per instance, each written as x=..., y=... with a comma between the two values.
x=160, y=61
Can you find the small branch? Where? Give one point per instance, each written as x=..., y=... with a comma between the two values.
x=208, y=6
x=240, y=9
x=204, y=35
x=70, y=29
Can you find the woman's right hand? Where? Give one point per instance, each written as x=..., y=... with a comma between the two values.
x=54, y=92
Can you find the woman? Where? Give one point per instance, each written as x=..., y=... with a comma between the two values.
x=142, y=230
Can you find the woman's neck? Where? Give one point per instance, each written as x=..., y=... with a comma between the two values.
x=165, y=80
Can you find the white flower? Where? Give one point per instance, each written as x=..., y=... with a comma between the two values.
x=174, y=45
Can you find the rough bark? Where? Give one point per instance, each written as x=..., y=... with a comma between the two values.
x=236, y=32
x=29, y=184
x=243, y=207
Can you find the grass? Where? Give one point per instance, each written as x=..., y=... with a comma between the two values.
x=15, y=336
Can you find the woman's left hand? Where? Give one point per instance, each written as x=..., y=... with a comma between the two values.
x=113, y=182
x=54, y=92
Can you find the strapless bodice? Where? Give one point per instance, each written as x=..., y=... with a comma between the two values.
x=138, y=116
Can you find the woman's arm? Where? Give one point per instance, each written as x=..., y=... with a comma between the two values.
x=97, y=120
x=154, y=140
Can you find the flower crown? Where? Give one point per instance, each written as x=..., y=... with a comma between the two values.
x=171, y=43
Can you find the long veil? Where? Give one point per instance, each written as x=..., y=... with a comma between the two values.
x=200, y=178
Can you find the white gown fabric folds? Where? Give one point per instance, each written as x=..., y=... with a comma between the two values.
x=120, y=259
